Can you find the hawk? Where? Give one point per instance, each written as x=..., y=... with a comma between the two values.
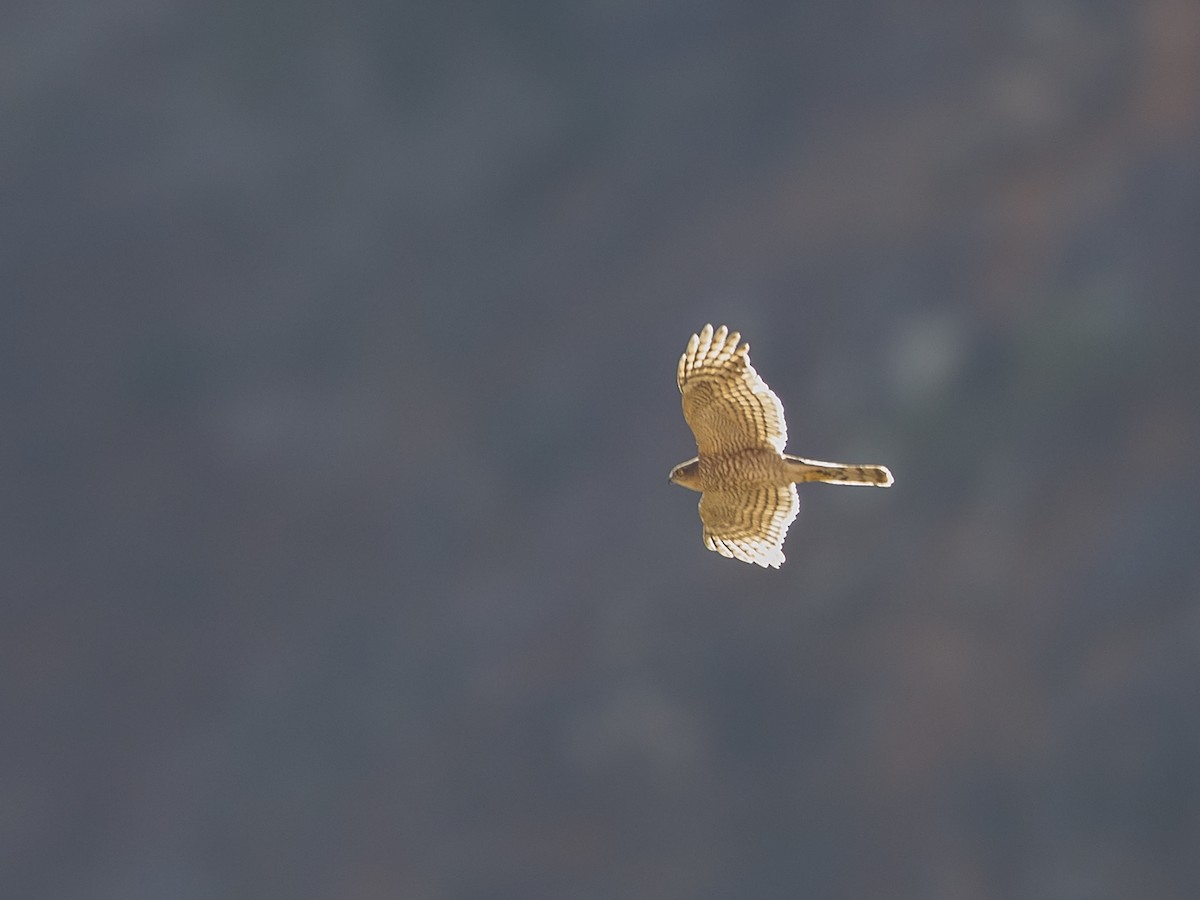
x=748, y=483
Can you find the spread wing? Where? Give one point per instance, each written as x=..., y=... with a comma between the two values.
x=749, y=525
x=727, y=406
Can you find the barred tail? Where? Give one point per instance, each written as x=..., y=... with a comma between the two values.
x=837, y=473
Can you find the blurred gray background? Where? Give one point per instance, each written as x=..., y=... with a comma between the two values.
x=338, y=557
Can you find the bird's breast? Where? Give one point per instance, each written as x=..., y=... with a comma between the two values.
x=744, y=468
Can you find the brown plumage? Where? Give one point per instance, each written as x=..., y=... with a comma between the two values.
x=748, y=482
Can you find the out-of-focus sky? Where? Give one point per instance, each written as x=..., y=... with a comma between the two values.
x=337, y=554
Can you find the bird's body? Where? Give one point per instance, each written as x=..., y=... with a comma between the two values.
x=747, y=481
x=749, y=468
x=755, y=468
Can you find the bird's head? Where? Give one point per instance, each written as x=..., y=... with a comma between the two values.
x=687, y=474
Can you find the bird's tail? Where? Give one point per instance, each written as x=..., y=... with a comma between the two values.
x=836, y=473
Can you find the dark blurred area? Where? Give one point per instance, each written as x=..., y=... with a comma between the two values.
x=338, y=557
